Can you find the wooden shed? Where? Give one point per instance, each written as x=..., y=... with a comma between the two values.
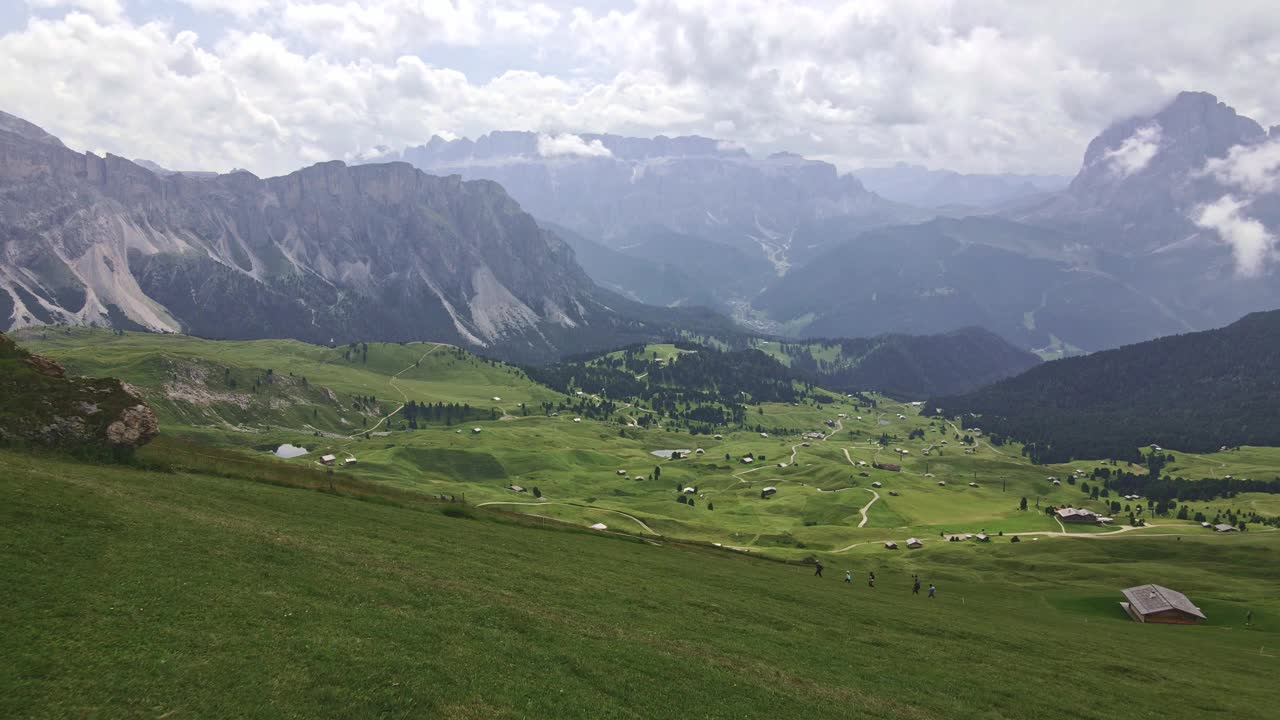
x=1158, y=604
x=890, y=545
x=913, y=543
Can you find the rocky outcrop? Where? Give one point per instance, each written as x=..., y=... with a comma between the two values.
x=44, y=407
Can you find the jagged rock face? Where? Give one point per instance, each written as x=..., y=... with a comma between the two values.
x=42, y=406
x=326, y=253
x=607, y=185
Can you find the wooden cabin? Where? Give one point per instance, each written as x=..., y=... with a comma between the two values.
x=1158, y=604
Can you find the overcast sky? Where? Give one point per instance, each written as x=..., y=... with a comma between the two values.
x=271, y=85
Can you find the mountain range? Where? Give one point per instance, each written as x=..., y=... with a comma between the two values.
x=1166, y=227
x=926, y=188
x=329, y=253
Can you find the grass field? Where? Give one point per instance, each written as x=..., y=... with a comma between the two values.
x=822, y=492
x=131, y=593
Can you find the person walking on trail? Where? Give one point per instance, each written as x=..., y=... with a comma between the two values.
x=848, y=576
x=915, y=587
x=932, y=590
x=871, y=580
x=817, y=569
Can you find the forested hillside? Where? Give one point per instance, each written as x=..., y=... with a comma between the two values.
x=910, y=366
x=1194, y=392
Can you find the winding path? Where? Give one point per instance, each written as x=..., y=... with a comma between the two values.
x=637, y=520
x=863, y=510
x=404, y=399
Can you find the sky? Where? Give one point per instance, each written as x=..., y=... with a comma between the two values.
x=273, y=85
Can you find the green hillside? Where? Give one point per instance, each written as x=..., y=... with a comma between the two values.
x=821, y=457
x=138, y=594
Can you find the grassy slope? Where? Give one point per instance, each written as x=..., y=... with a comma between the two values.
x=577, y=463
x=137, y=594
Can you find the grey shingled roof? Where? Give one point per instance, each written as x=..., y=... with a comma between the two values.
x=1148, y=599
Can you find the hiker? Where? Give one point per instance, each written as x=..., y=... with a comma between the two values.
x=1248, y=618
x=871, y=580
x=848, y=576
x=932, y=590
x=817, y=569
x=915, y=587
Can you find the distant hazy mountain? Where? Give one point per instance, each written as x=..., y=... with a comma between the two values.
x=1183, y=204
x=910, y=366
x=377, y=252
x=920, y=186
x=1193, y=393
x=615, y=190
x=1168, y=227
x=947, y=274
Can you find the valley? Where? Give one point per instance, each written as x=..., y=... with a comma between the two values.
x=515, y=444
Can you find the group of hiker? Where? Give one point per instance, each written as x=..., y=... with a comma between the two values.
x=871, y=580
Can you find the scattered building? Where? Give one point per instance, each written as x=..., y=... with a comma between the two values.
x=719, y=437
x=982, y=537
x=1206, y=524
x=890, y=545
x=515, y=488
x=577, y=419
x=913, y=543
x=497, y=399
x=599, y=526
x=942, y=483
x=769, y=491
x=973, y=484
x=622, y=472
x=1158, y=604
x=764, y=435
x=876, y=484
x=475, y=430
x=690, y=491
x=1223, y=527
x=748, y=460
x=328, y=459
x=349, y=462
x=1080, y=515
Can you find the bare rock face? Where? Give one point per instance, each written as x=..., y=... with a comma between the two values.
x=42, y=406
x=137, y=426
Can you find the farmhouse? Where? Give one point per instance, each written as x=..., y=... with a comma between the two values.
x=890, y=545
x=622, y=472
x=328, y=459
x=983, y=537
x=599, y=526
x=1080, y=515
x=475, y=430
x=1157, y=604
x=349, y=461
x=942, y=483
x=690, y=491
x=748, y=460
x=1223, y=527
x=516, y=488
x=1205, y=524
x=768, y=491
x=876, y=484
x=699, y=451
x=913, y=543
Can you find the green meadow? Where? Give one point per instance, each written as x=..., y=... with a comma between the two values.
x=132, y=593
x=586, y=471
x=209, y=578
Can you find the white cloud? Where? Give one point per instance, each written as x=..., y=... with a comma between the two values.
x=1252, y=168
x=532, y=21
x=237, y=8
x=1136, y=152
x=571, y=145
x=107, y=9
x=1251, y=243
x=1002, y=85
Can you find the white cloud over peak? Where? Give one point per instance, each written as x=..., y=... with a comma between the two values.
x=1252, y=245
x=1252, y=168
x=1136, y=152
x=571, y=145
